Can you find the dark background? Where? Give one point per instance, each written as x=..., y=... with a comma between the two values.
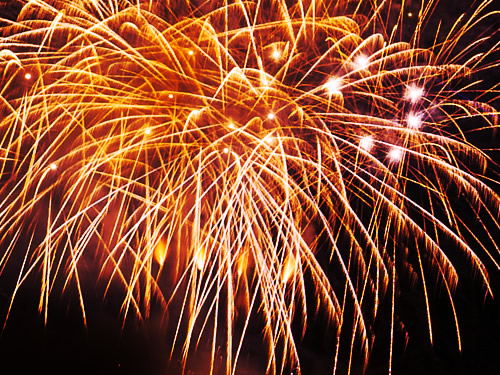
x=65, y=346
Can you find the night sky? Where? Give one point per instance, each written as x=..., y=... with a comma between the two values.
x=106, y=347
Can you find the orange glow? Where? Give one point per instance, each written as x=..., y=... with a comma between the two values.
x=289, y=268
x=160, y=252
x=199, y=258
x=242, y=264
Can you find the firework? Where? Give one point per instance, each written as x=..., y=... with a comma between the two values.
x=244, y=167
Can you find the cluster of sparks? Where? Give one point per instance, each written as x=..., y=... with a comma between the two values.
x=219, y=164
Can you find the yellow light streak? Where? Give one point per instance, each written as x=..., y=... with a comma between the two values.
x=289, y=139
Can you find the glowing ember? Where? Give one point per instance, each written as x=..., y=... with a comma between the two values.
x=160, y=252
x=199, y=259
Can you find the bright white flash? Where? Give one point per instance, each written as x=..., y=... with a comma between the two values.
x=366, y=143
x=333, y=85
x=414, y=121
x=395, y=154
x=362, y=61
x=270, y=139
x=414, y=93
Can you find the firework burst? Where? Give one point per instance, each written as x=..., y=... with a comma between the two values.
x=244, y=166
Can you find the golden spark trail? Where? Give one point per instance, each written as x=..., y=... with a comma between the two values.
x=242, y=167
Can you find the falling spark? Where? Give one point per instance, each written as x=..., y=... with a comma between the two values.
x=289, y=268
x=199, y=259
x=160, y=252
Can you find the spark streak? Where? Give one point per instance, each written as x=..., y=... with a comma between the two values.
x=243, y=167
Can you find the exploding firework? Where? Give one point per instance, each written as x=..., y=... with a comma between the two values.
x=245, y=167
